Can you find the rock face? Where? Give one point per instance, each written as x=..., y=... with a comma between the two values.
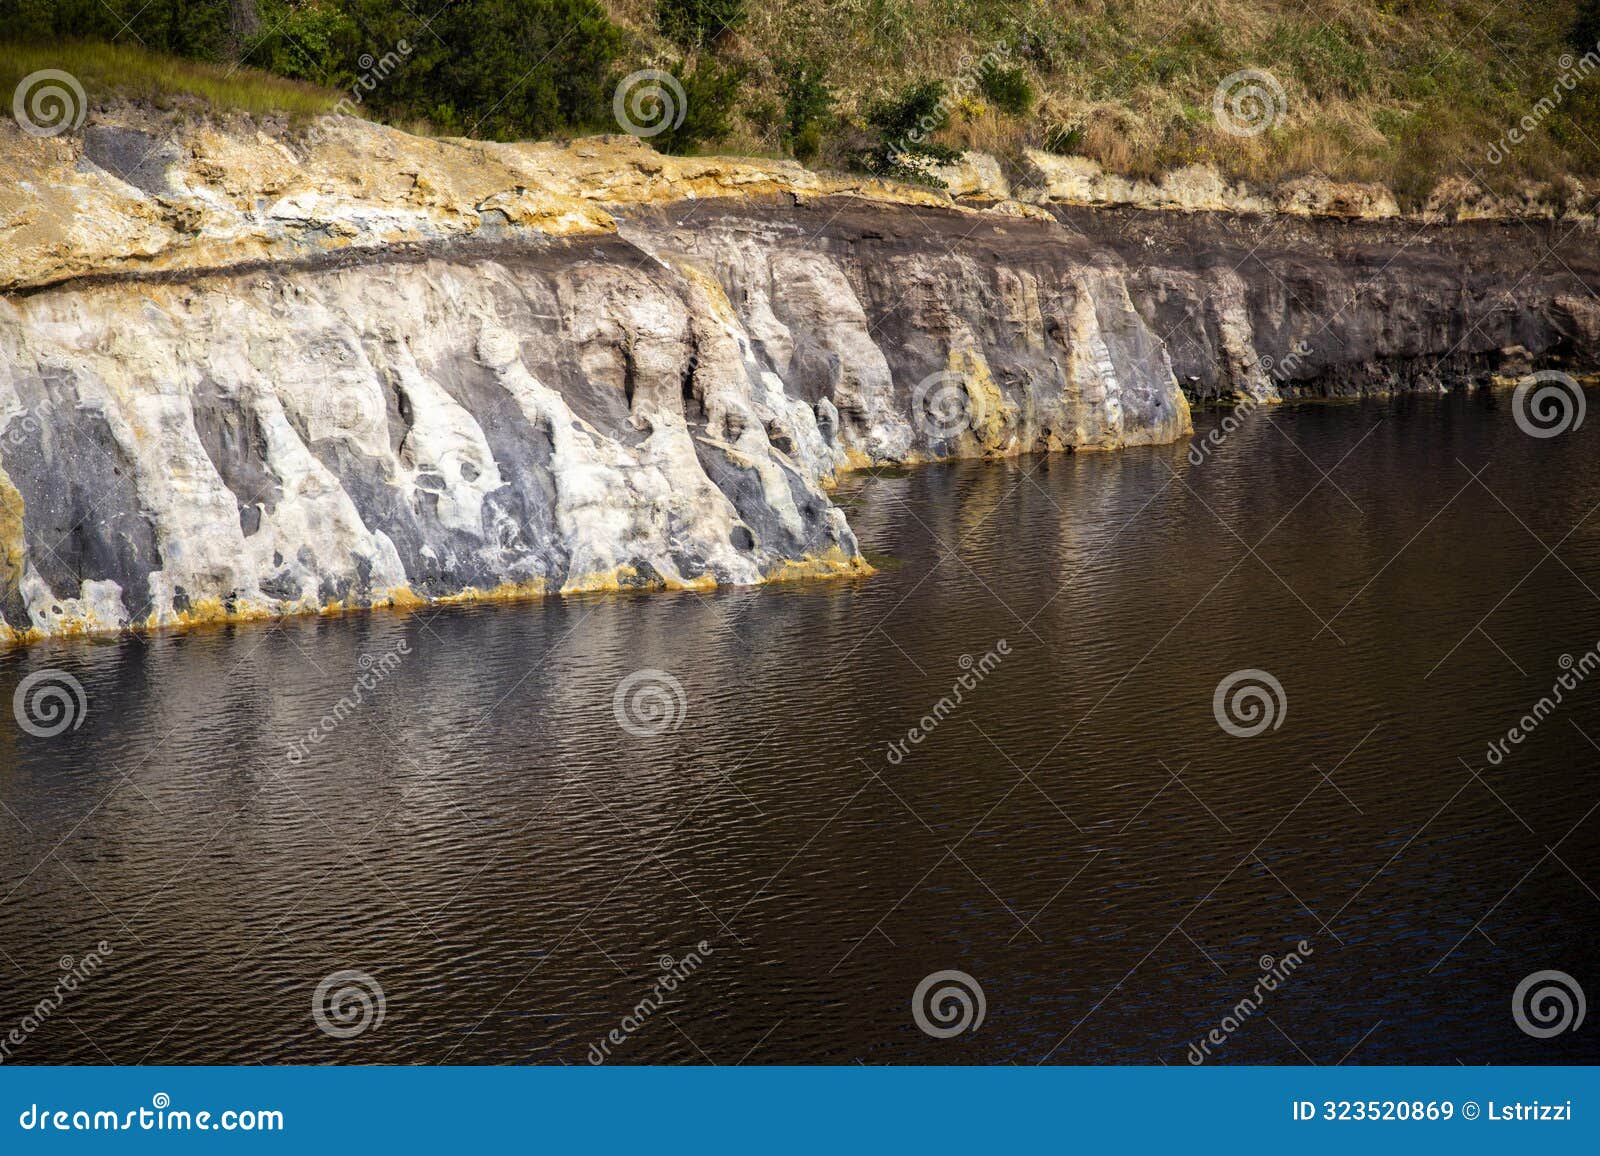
x=333, y=399
x=1273, y=307
x=247, y=370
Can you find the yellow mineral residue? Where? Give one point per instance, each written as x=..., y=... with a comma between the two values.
x=13, y=557
x=209, y=612
x=992, y=415
x=1182, y=402
x=721, y=307
x=831, y=563
x=627, y=578
x=213, y=612
x=402, y=598
x=504, y=592
x=13, y=547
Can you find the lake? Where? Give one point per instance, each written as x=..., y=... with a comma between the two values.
x=1124, y=739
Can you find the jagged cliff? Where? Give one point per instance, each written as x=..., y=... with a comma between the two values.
x=249, y=370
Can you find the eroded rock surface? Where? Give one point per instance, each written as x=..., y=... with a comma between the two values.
x=1272, y=307
x=237, y=379
x=247, y=370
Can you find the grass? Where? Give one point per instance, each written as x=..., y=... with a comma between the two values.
x=123, y=70
x=1404, y=92
x=1399, y=91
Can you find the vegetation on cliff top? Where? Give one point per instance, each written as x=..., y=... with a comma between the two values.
x=141, y=75
x=1400, y=91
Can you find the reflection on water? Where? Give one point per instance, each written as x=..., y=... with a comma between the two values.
x=447, y=802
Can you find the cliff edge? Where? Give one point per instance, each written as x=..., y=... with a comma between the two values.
x=248, y=369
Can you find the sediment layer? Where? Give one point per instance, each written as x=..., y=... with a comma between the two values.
x=249, y=370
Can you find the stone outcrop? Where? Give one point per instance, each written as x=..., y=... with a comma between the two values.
x=1275, y=306
x=1049, y=179
x=250, y=369
x=253, y=373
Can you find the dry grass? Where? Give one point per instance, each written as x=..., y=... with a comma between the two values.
x=1403, y=91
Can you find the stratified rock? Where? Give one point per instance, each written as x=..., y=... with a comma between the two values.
x=246, y=374
x=249, y=370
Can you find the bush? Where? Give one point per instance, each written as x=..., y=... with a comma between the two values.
x=902, y=126
x=34, y=20
x=693, y=23
x=1585, y=32
x=807, y=106
x=710, y=93
x=315, y=42
x=501, y=69
x=1009, y=88
x=199, y=29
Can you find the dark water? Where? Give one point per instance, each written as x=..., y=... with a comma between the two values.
x=1079, y=834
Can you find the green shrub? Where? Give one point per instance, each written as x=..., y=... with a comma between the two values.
x=315, y=42
x=501, y=69
x=693, y=23
x=807, y=106
x=901, y=127
x=1009, y=88
x=35, y=20
x=198, y=29
x=711, y=92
